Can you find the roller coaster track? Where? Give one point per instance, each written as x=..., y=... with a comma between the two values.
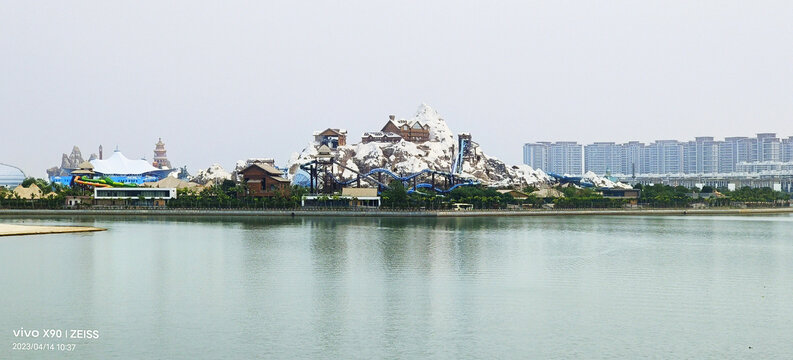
x=370, y=177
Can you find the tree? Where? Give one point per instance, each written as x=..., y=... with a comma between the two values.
x=42, y=184
x=396, y=196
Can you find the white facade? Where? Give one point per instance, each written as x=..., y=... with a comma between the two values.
x=786, y=151
x=603, y=158
x=703, y=155
x=536, y=155
x=10, y=176
x=563, y=157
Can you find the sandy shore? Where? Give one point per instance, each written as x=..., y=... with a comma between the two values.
x=10, y=230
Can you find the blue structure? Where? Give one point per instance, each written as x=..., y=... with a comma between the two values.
x=463, y=141
x=312, y=168
x=576, y=180
x=301, y=178
x=11, y=176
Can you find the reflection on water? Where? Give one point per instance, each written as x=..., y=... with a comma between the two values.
x=247, y=287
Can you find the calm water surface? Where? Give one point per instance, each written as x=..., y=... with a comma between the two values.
x=546, y=287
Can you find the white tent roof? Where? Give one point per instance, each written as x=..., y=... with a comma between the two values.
x=120, y=164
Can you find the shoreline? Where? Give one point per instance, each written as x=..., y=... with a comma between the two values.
x=16, y=229
x=389, y=213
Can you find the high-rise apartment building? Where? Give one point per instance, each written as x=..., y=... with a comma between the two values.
x=690, y=157
x=665, y=157
x=768, y=147
x=707, y=155
x=786, y=151
x=536, y=155
x=563, y=157
x=603, y=158
x=703, y=155
x=728, y=153
x=747, y=150
x=634, y=159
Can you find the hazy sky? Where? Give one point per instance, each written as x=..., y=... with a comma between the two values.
x=222, y=81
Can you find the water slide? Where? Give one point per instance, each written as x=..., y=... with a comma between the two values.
x=457, y=166
x=77, y=180
x=104, y=182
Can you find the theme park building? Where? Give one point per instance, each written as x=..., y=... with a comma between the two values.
x=160, y=159
x=396, y=130
x=121, y=169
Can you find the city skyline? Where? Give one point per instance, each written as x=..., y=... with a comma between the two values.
x=702, y=155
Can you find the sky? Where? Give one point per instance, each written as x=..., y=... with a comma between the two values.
x=223, y=81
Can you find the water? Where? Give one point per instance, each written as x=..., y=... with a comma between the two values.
x=540, y=287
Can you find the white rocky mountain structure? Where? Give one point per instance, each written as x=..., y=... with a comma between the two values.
x=599, y=181
x=405, y=157
x=215, y=174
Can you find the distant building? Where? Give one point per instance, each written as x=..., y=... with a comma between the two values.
x=704, y=155
x=11, y=176
x=536, y=155
x=728, y=153
x=263, y=180
x=333, y=138
x=30, y=192
x=764, y=167
x=122, y=169
x=634, y=159
x=701, y=156
x=665, y=157
x=413, y=131
x=620, y=193
x=517, y=195
x=603, y=158
x=350, y=197
x=787, y=149
x=379, y=136
x=119, y=168
x=133, y=196
x=160, y=159
x=768, y=147
x=563, y=157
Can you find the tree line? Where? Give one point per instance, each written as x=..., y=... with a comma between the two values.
x=233, y=195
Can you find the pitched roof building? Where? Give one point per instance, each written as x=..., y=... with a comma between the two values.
x=395, y=130
x=263, y=180
x=31, y=192
x=331, y=137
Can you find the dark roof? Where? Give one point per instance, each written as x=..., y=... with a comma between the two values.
x=331, y=131
x=269, y=169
